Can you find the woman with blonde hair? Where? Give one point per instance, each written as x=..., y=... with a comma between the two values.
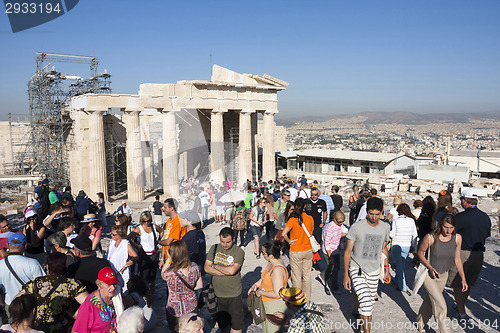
x=191, y=323
x=183, y=278
x=121, y=255
x=257, y=219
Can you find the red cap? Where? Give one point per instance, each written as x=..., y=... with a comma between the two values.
x=107, y=275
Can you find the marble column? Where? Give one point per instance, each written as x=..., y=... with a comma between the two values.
x=98, y=181
x=245, y=143
x=268, y=153
x=135, y=161
x=170, y=155
x=217, y=164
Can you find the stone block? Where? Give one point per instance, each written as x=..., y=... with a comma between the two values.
x=436, y=188
x=404, y=187
x=413, y=189
x=12, y=212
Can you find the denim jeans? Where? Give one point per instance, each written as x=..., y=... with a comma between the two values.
x=399, y=255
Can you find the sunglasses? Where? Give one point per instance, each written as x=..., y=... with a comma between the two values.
x=31, y=218
x=193, y=318
x=114, y=234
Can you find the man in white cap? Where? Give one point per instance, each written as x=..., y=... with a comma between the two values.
x=475, y=226
x=124, y=209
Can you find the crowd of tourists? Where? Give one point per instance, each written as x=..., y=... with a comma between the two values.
x=56, y=276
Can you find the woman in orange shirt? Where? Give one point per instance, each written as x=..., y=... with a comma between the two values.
x=271, y=282
x=300, y=247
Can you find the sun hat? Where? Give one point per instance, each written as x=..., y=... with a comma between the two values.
x=87, y=218
x=82, y=242
x=293, y=295
x=107, y=275
x=30, y=213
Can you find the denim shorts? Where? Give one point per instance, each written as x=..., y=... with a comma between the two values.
x=256, y=231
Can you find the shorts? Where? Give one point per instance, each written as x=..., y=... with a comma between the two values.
x=472, y=262
x=230, y=313
x=158, y=219
x=221, y=210
x=256, y=231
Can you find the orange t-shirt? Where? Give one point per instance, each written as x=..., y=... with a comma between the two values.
x=298, y=233
x=267, y=281
x=174, y=230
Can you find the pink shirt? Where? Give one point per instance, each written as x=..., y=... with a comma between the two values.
x=92, y=316
x=331, y=237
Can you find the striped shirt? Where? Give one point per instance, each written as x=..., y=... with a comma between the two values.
x=331, y=237
x=403, y=231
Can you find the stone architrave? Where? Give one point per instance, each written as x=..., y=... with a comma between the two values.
x=217, y=163
x=135, y=161
x=170, y=155
x=98, y=181
x=268, y=153
x=245, y=145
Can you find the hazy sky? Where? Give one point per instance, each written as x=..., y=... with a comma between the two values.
x=339, y=56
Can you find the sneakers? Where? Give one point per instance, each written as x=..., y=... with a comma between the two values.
x=461, y=317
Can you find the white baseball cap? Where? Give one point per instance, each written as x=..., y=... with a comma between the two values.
x=469, y=193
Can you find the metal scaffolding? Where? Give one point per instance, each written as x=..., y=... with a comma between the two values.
x=49, y=91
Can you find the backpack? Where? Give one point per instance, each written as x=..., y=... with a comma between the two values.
x=240, y=220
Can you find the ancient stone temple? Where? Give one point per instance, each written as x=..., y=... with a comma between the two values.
x=167, y=132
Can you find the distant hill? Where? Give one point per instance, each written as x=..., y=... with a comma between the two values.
x=397, y=117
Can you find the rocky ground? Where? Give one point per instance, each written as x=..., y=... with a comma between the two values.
x=394, y=312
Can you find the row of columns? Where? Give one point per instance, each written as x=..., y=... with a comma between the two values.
x=135, y=162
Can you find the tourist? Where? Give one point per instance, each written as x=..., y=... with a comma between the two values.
x=329, y=203
x=35, y=232
x=269, y=225
x=403, y=233
x=21, y=269
x=147, y=248
x=124, y=209
x=224, y=263
x=68, y=196
x=361, y=210
x=474, y=226
x=67, y=225
x=444, y=244
x=121, y=255
x=393, y=213
x=54, y=312
x=191, y=323
x=220, y=213
x=101, y=209
x=58, y=243
x=88, y=266
x=306, y=316
x=194, y=238
x=271, y=282
x=425, y=222
x=183, y=278
x=98, y=313
x=353, y=199
x=124, y=221
x=174, y=230
x=257, y=219
x=93, y=230
x=332, y=246
x=22, y=312
x=336, y=198
x=131, y=321
x=417, y=205
x=157, y=209
x=443, y=206
x=204, y=204
x=140, y=296
x=300, y=247
x=240, y=222
x=361, y=267
x=82, y=205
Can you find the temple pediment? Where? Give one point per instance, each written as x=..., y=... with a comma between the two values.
x=229, y=77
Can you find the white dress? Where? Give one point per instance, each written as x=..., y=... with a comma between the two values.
x=117, y=257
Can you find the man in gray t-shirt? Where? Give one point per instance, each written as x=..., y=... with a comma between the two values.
x=366, y=241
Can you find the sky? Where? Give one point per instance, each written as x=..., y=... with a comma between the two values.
x=339, y=56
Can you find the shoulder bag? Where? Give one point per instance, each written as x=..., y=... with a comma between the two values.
x=12, y=271
x=208, y=295
x=314, y=244
x=422, y=273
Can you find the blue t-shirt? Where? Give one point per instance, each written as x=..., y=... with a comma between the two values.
x=196, y=245
x=157, y=207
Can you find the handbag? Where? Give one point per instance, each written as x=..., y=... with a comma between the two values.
x=256, y=307
x=422, y=273
x=314, y=244
x=208, y=297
